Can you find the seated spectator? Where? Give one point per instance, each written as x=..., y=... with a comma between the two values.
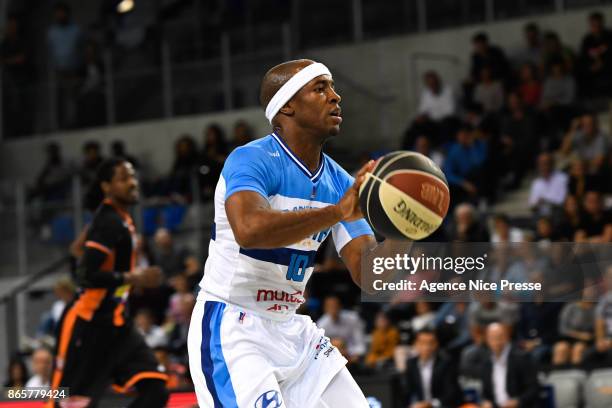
x=549, y=189
x=577, y=324
x=546, y=232
x=431, y=376
x=600, y=355
x=509, y=377
x=559, y=89
x=53, y=180
x=463, y=166
x=182, y=291
x=423, y=317
x=596, y=224
x=153, y=335
x=483, y=313
x=437, y=108
x=64, y=291
x=92, y=158
x=42, y=364
x=384, y=339
x=530, y=88
x=451, y=324
x=466, y=227
x=537, y=328
x=243, y=134
x=212, y=157
x=179, y=327
x=531, y=52
x=170, y=259
x=503, y=231
x=344, y=324
x=118, y=151
x=571, y=218
x=595, y=65
x=423, y=145
x=580, y=181
x=586, y=141
x=185, y=167
x=489, y=92
x=554, y=51
x=487, y=55
x=17, y=373
x=519, y=139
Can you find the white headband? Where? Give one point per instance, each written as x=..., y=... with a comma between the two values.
x=292, y=86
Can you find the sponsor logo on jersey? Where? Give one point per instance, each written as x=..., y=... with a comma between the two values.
x=270, y=295
x=324, y=347
x=269, y=399
x=274, y=154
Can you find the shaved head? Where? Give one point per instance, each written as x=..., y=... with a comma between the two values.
x=276, y=77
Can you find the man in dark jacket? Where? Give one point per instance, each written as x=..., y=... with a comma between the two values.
x=508, y=377
x=431, y=377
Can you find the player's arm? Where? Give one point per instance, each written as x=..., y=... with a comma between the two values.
x=95, y=268
x=353, y=252
x=256, y=225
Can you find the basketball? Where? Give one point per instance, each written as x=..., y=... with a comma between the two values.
x=405, y=196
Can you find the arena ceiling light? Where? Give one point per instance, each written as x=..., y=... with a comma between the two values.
x=125, y=6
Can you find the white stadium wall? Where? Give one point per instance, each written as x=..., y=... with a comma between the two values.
x=383, y=67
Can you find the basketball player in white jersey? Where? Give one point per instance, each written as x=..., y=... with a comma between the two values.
x=277, y=199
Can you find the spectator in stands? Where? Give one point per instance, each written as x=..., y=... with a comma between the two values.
x=344, y=324
x=243, y=134
x=489, y=92
x=580, y=181
x=463, y=165
x=483, y=313
x=424, y=316
x=577, y=322
x=530, y=87
x=17, y=373
x=185, y=166
x=546, y=232
x=384, y=339
x=509, y=377
x=118, y=150
x=431, y=376
x=170, y=259
x=16, y=80
x=64, y=38
x=212, y=157
x=53, y=180
x=571, y=218
x=487, y=55
x=531, y=53
x=596, y=223
x=91, y=93
x=182, y=293
x=423, y=145
x=42, y=364
x=153, y=335
x=451, y=324
x=601, y=355
x=437, y=108
x=537, y=328
x=559, y=87
x=177, y=340
x=554, y=51
x=587, y=142
x=503, y=231
x=519, y=139
x=549, y=189
x=64, y=291
x=92, y=158
x=595, y=68
x=466, y=227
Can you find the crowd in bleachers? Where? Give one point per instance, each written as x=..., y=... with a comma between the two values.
x=529, y=114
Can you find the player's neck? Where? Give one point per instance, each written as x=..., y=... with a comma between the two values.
x=117, y=205
x=306, y=147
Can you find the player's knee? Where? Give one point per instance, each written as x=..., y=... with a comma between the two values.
x=154, y=391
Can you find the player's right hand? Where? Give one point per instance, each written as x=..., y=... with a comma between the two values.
x=150, y=277
x=349, y=203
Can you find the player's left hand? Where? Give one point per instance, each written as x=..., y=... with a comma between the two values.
x=349, y=203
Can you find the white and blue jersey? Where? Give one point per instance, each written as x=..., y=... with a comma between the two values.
x=271, y=282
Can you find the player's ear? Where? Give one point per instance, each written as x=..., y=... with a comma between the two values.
x=287, y=109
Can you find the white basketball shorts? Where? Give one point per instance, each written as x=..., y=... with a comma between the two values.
x=238, y=359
